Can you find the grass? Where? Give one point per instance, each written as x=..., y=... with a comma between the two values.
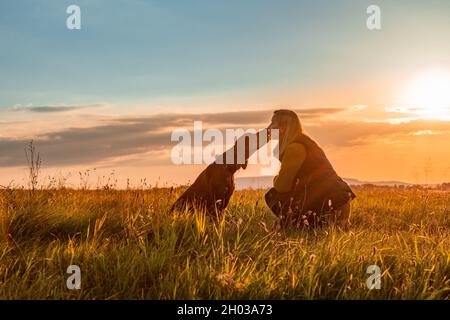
x=129, y=246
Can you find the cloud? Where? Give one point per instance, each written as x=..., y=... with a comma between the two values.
x=241, y=118
x=358, y=107
x=147, y=138
x=344, y=133
x=442, y=113
x=75, y=146
x=129, y=136
x=52, y=109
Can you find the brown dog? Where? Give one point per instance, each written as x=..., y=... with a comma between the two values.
x=214, y=186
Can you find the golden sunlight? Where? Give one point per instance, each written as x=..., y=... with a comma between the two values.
x=428, y=95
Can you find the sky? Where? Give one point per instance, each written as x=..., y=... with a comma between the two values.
x=108, y=96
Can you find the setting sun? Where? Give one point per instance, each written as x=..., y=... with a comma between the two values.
x=428, y=95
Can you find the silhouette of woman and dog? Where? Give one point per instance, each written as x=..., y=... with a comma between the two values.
x=307, y=192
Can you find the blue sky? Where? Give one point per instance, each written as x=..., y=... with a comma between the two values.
x=131, y=51
x=100, y=96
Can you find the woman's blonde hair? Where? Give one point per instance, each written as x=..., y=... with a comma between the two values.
x=289, y=120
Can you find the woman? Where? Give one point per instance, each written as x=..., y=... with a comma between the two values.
x=307, y=191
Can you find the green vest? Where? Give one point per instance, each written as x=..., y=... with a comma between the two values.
x=316, y=186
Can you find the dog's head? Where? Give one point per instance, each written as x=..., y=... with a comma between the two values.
x=234, y=159
x=220, y=176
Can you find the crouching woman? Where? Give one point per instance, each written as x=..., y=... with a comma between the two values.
x=307, y=191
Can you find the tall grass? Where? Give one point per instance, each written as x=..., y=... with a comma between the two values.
x=129, y=246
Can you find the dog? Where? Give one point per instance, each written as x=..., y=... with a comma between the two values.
x=213, y=188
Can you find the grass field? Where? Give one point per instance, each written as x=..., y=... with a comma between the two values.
x=129, y=247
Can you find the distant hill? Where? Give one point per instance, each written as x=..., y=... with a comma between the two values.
x=265, y=182
x=261, y=182
x=389, y=183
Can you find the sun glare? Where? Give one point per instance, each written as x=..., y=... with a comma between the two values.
x=428, y=95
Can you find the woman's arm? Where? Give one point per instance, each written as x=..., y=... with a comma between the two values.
x=293, y=159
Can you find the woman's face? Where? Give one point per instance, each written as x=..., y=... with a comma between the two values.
x=274, y=124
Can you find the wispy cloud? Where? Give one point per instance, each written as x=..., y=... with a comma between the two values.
x=127, y=136
x=343, y=133
x=442, y=113
x=139, y=138
x=402, y=110
x=52, y=109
